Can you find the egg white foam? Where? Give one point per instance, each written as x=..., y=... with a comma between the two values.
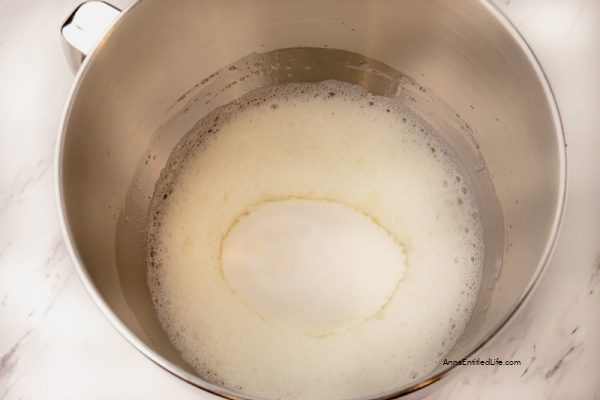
x=238, y=203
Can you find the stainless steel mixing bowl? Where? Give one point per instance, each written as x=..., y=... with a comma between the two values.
x=459, y=64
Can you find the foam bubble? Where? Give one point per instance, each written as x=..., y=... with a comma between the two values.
x=332, y=142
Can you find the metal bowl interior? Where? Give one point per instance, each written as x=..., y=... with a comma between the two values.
x=458, y=64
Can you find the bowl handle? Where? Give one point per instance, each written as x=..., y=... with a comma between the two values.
x=84, y=28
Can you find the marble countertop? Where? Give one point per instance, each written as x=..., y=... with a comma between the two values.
x=55, y=343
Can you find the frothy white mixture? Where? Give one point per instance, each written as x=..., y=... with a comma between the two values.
x=313, y=241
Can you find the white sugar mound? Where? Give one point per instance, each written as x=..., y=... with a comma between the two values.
x=312, y=266
x=313, y=241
